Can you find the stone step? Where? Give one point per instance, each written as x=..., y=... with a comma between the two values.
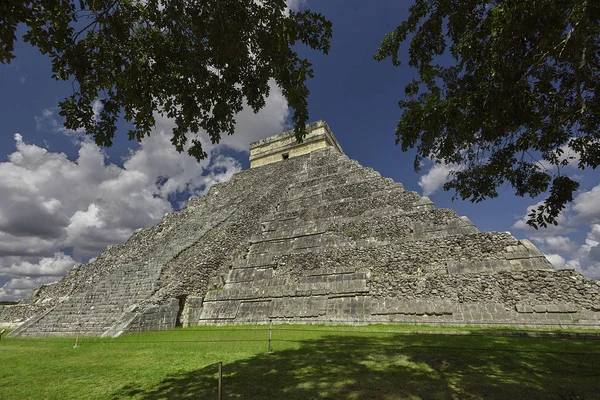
x=323, y=154
x=351, y=207
x=370, y=309
x=281, y=229
x=304, y=232
x=70, y=328
x=327, y=189
x=250, y=275
x=259, y=283
x=327, y=169
x=319, y=281
x=300, y=244
x=95, y=311
x=390, y=224
x=349, y=174
x=355, y=286
x=354, y=190
x=82, y=325
x=76, y=312
x=75, y=318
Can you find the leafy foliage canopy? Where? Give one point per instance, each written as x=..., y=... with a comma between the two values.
x=195, y=61
x=507, y=94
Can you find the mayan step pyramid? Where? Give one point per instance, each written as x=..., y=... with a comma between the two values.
x=307, y=235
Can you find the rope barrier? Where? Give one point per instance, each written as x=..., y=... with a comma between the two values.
x=110, y=341
x=326, y=330
x=519, y=334
x=452, y=348
x=436, y=323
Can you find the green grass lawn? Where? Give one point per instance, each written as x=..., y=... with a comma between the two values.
x=308, y=362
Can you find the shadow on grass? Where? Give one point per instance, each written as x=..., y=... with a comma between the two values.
x=396, y=367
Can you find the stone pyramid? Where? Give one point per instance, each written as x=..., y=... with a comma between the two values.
x=307, y=235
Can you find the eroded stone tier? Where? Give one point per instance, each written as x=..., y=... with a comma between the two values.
x=314, y=238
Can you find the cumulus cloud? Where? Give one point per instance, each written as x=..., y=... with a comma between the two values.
x=268, y=121
x=564, y=252
x=555, y=244
x=49, y=203
x=568, y=154
x=17, y=288
x=57, y=265
x=295, y=5
x=435, y=178
x=25, y=273
x=587, y=205
x=49, y=121
x=587, y=258
x=556, y=260
x=563, y=226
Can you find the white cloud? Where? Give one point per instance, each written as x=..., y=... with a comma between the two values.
x=268, y=121
x=49, y=203
x=295, y=5
x=550, y=230
x=49, y=121
x=54, y=266
x=587, y=258
x=569, y=155
x=555, y=244
x=435, y=178
x=584, y=215
x=556, y=260
x=17, y=288
x=587, y=205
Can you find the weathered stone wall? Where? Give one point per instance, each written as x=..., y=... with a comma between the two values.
x=347, y=246
x=272, y=149
x=390, y=262
x=208, y=261
x=314, y=238
x=11, y=316
x=529, y=287
x=156, y=318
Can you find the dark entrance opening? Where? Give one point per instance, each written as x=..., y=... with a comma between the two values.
x=178, y=321
x=285, y=156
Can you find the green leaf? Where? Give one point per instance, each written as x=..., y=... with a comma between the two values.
x=521, y=86
x=195, y=62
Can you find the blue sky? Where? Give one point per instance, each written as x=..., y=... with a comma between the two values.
x=62, y=199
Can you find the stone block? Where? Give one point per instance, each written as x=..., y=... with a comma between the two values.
x=517, y=255
x=250, y=274
x=219, y=310
x=421, y=309
x=533, y=251
x=254, y=311
x=525, y=308
x=553, y=308
x=539, y=308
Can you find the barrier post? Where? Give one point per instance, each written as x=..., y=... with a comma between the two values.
x=270, y=335
x=220, y=394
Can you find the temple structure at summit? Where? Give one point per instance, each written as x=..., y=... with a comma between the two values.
x=307, y=235
x=283, y=146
